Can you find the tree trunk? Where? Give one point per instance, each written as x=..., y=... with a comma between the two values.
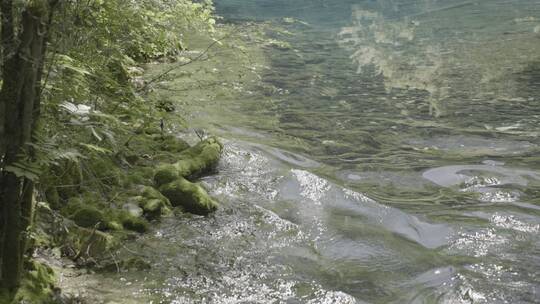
x=22, y=62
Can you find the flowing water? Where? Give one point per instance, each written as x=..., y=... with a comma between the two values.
x=379, y=151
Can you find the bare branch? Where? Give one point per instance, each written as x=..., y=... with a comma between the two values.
x=177, y=66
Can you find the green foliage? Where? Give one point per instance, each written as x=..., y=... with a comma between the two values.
x=37, y=285
x=154, y=28
x=91, y=109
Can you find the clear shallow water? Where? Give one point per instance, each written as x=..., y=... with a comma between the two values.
x=387, y=154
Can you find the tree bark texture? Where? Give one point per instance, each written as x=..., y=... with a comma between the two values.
x=23, y=53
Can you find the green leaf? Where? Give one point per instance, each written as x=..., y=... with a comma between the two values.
x=95, y=148
x=23, y=171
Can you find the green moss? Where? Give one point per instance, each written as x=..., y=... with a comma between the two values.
x=132, y=158
x=153, y=193
x=132, y=223
x=114, y=225
x=172, y=143
x=86, y=212
x=154, y=204
x=155, y=208
x=107, y=171
x=190, y=196
x=165, y=174
x=152, y=130
x=37, y=285
x=200, y=158
x=197, y=160
x=92, y=243
x=135, y=178
x=88, y=217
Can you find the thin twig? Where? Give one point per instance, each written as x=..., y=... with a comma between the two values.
x=89, y=241
x=160, y=76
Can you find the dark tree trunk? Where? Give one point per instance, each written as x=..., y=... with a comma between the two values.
x=23, y=53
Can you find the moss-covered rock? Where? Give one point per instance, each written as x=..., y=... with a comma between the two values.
x=107, y=172
x=140, y=175
x=88, y=243
x=152, y=193
x=200, y=159
x=153, y=203
x=132, y=223
x=37, y=285
x=172, y=143
x=88, y=216
x=166, y=174
x=190, y=196
x=155, y=208
x=197, y=160
x=133, y=209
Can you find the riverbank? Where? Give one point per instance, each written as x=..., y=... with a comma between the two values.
x=88, y=237
x=334, y=188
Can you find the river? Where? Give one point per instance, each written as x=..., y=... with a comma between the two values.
x=387, y=151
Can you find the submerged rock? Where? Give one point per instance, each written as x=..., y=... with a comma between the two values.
x=191, y=196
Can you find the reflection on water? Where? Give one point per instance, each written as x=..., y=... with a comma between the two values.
x=388, y=153
x=450, y=50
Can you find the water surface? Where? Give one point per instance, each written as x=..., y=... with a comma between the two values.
x=386, y=152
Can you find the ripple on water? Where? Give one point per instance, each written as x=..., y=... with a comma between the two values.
x=487, y=283
x=289, y=157
x=449, y=176
x=317, y=196
x=398, y=179
x=429, y=286
x=474, y=145
x=233, y=254
x=245, y=170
